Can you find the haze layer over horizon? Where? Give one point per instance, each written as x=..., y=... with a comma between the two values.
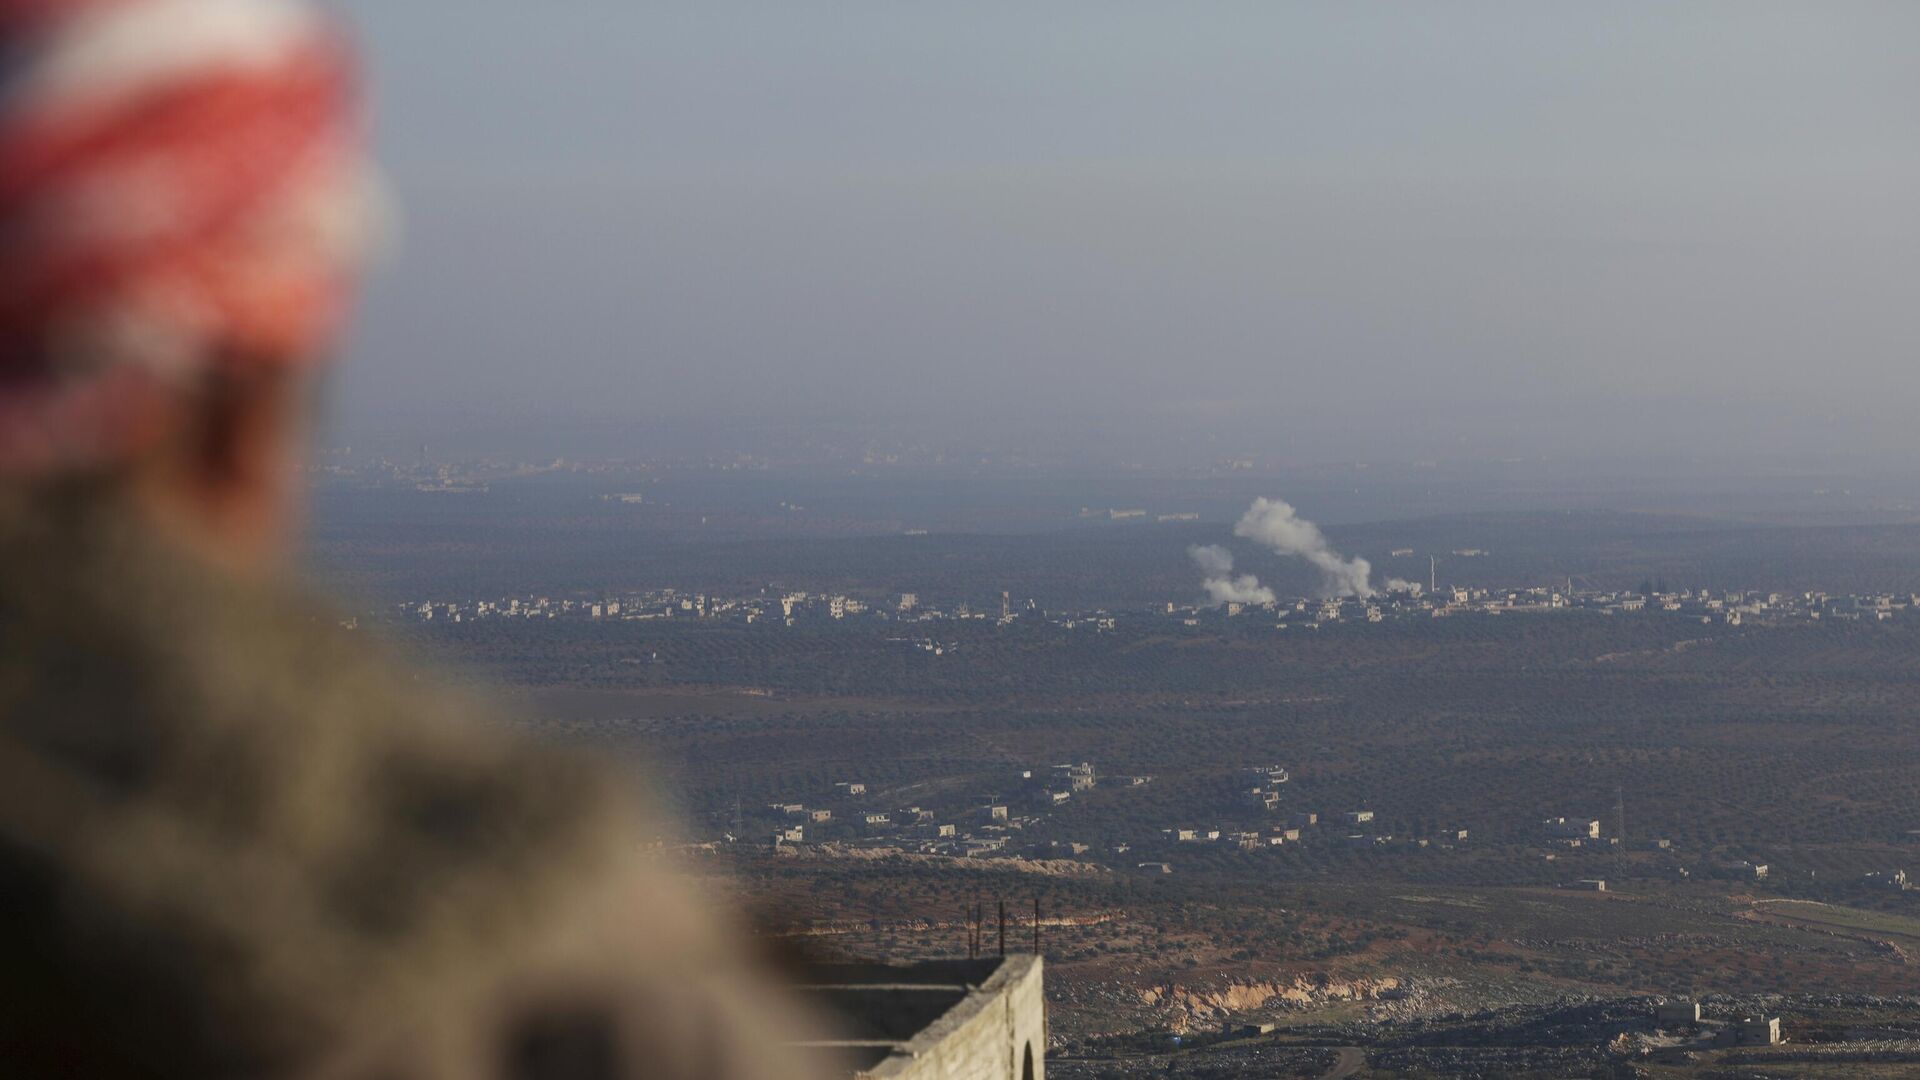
x=1314, y=229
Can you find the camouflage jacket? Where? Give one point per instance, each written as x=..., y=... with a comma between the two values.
x=236, y=841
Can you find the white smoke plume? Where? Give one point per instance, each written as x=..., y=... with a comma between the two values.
x=1274, y=523
x=1222, y=586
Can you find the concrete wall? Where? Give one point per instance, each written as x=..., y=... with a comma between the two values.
x=990, y=1035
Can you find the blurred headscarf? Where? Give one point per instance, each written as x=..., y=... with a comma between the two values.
x=183, y=194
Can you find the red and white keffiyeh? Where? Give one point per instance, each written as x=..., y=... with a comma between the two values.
x=182, y=187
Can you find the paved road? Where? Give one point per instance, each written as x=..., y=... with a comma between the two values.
x=1351, y=1060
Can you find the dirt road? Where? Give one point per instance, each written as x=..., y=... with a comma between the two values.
x=1351, y=1060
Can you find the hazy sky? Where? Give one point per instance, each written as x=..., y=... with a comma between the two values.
x=1332, y=229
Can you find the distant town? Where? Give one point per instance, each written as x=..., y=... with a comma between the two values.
x=782, y=607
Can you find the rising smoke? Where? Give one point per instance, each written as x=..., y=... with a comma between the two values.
x=1277, y=525
x=1222, y=586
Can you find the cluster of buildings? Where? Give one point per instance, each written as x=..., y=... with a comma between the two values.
x=996, y=824
x=1563, y=832
x=1016, y=820
x=1686, y=1017
x=993, y=825
x=660, y=604
x=1117, y=513
x=1245, y=840
x=1735, y=608
x=1356, y=832
x=778, y=607
x=1896, y=880
x=1258, y=788
x=768, y=606
x=1410, y=600
x=987, y=826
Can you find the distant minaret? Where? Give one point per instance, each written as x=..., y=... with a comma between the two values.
x=1433, y=575
x=1620, y=815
